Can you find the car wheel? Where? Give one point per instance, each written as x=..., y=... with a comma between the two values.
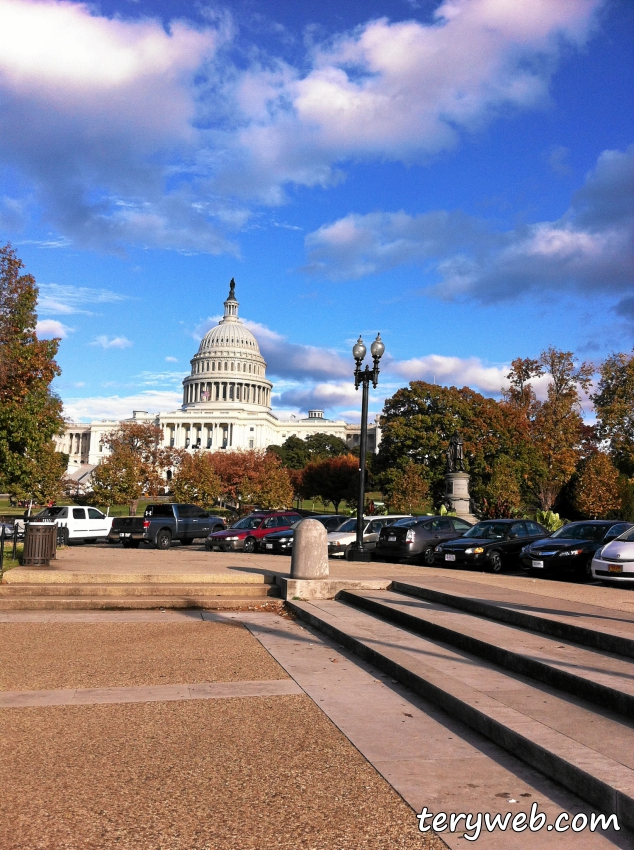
x=218, y=528
x=495, y=562
x=249, y=544
x=65, y=536
x=586, y=571
x=163, y=539
x=428, y=556
x=348, y=553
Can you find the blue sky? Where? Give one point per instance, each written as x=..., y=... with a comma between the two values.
x=458, y=176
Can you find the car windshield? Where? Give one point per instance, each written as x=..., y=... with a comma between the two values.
x=581, y=531
x=296, y=522
x=248, y=522
x=627, y=535
x=488, y=531
x=350, y=525
x=406, y=521
x=50, y=513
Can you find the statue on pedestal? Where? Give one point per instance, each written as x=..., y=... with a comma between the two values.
x=455, y=454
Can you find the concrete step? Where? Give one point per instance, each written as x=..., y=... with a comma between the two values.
x=587, y=625
x=138, y=603
x=598, y=677
x=48, y=576
x=588, y=751
x=14, y=591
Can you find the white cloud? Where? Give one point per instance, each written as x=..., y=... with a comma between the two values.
x=145, y=134
x=403, y=90
x=358, y=245
x=171, y=360
x=157, y=378
x=116, y=342
x=455, y=371
x=121, y=407
x=66, y=299
x=110, y=106
x=50, y=328
x=590, y=248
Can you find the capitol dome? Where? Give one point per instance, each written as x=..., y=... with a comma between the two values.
x=228, y=366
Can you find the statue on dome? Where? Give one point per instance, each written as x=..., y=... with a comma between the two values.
x=232, y=290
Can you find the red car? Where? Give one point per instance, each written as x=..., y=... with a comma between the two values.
x=242, y=536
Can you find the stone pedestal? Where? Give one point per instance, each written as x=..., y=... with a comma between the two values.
x=310, y=551
x=457, y=494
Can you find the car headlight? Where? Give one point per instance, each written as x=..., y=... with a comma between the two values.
x=599, y=552
x=571, y=552
x=232, y=538
x=438, y=549
x=476, y=550
x=282, y=539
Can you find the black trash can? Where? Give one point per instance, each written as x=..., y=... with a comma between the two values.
x=40, y=543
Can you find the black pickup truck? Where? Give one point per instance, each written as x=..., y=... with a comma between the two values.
x=161, y=524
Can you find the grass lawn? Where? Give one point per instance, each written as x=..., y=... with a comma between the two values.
x=8, y=562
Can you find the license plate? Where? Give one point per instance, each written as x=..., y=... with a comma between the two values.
x=391, y=539
x=537, y=565
x=125, y=534
x=615, y=568
x=269, y=545
x=450, y=557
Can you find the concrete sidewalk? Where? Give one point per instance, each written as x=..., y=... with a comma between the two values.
x=176, y=731
x=195, y=563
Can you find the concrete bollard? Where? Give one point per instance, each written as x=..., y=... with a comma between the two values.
x=310, y=550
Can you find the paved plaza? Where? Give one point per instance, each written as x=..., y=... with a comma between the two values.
x=250, y=728
x=247, y=760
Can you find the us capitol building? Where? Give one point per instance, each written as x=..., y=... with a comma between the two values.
x=226, y=405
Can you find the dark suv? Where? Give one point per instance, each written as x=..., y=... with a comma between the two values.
x=415, y=538
x=244, y=534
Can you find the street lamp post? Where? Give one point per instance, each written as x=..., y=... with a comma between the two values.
x=362, y=378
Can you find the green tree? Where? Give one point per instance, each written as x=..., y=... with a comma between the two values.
x=614, y=406
x=269, y=487
x=520, y=393
x=558, y=426
x=419, y=420
x=196, y=480
x=30, y=413
x=332, y=479
x=408, y=491
x=325, y=445
x=598, y=491
x=295, y=453
x=136, y=466
x=504, y=492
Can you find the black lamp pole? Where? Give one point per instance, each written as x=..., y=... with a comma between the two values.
x=362, y=378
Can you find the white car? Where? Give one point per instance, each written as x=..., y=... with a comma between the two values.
x=78, y=523
x=615, y=561
x=340, y=541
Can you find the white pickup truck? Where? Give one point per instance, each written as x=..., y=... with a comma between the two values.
x=78, y=523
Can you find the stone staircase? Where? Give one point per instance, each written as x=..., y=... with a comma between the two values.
x=552, y=685
x=44, y=590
